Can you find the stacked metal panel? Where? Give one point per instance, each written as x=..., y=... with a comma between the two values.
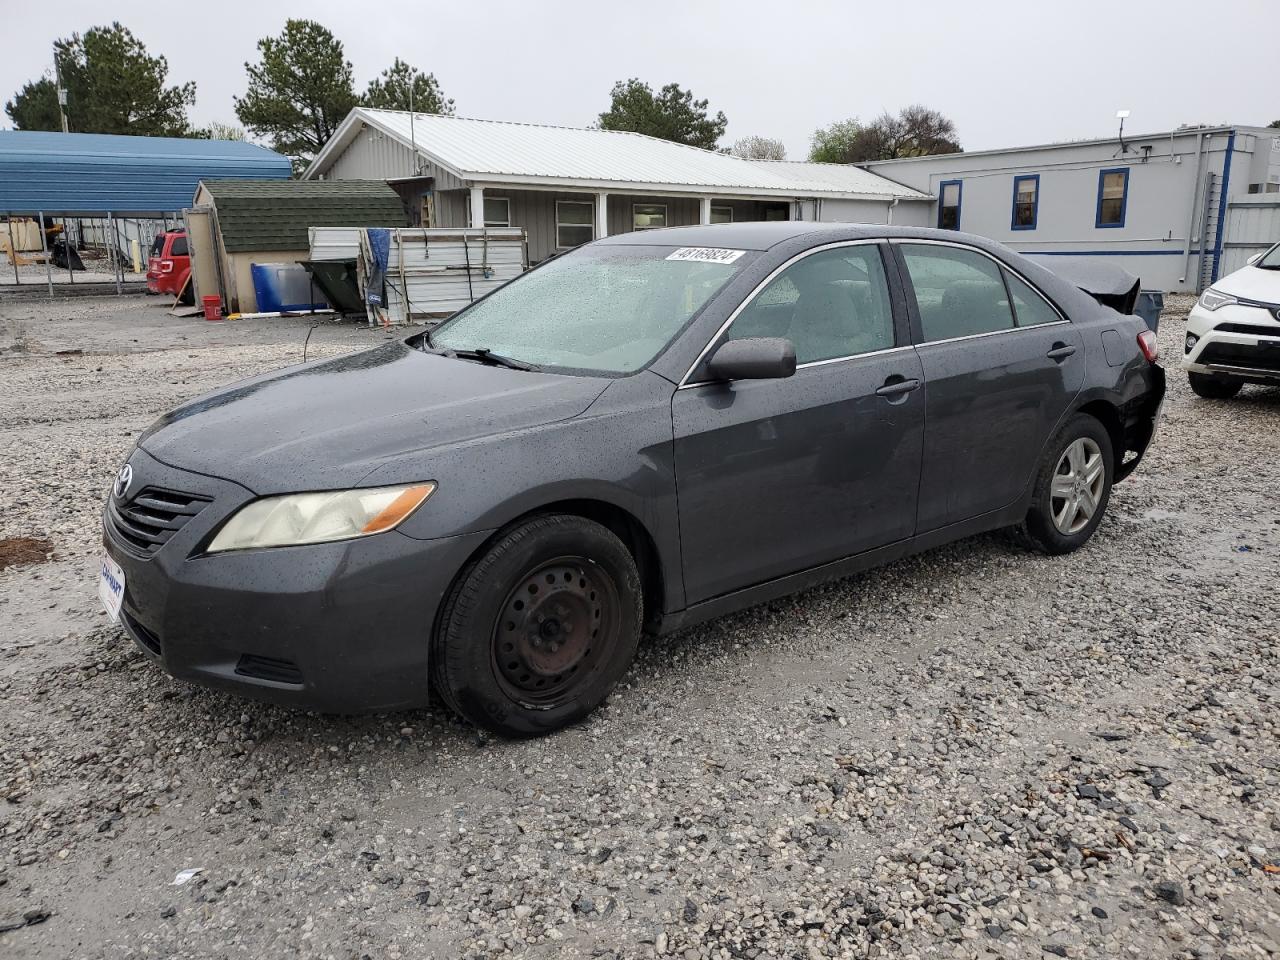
x=431, y=272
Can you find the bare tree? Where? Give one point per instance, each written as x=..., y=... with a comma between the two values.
x=916, y=131
x=218, y=130
x=759, y=148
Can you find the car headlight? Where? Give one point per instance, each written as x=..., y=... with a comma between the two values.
x=298, y=518
x=1211, y=299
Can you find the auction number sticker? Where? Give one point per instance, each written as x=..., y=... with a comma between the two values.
x=707, y=254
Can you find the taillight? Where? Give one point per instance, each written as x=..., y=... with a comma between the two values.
x=1147, y=344
x=166, y=266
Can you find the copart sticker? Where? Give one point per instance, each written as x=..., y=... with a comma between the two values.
x=707, y=254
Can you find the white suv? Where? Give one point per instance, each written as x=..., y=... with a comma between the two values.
x=1233, y=333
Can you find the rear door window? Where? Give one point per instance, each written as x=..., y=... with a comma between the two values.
x=1030, y=308
x=830, y=304
x=959, y=292
x=179, y=247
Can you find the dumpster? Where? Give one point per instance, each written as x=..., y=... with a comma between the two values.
x=339, y=282
x=1148, y=307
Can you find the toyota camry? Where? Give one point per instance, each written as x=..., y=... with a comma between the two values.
x=651, y=430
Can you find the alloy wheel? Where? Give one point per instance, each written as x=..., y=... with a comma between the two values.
x=1077, y=487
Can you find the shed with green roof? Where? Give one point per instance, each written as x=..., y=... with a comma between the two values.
x=234, y=224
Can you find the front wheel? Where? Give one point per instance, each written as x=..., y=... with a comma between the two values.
x=536, y=632
x=1072, y=487
x=1213, y=388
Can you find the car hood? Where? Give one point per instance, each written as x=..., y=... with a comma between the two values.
x=329, y=424
x=1252, y=283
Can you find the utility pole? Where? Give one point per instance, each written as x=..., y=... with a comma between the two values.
x=62, y=93
x=413, y=140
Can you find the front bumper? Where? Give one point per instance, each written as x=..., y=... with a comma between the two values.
x=338, y=627
x=1239, y=341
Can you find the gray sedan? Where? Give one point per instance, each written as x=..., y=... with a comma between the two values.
x=651, y=430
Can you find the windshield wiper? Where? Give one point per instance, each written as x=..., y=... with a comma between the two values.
x=485, y=355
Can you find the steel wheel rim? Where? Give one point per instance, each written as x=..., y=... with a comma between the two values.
x=1076, y=489
x=553, y=630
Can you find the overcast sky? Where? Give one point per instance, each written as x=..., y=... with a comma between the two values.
x=1007, y=73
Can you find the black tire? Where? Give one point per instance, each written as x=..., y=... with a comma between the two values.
x=1213, y=388
x=1050, y=526
x=537, y=631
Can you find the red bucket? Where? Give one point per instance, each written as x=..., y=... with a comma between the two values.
x=212, y=307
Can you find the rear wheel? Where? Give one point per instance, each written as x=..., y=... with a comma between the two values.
x=1213, y=388
x=1072, y=487
x=537, y=632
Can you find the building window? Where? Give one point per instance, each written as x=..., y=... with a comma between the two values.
x=575, y=223
x=1113, y=197
x=1026, y=201
x=721, y=214
x=497, y=212
x=648, y=216
x=949, y=192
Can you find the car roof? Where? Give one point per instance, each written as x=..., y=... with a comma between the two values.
x=762, y=235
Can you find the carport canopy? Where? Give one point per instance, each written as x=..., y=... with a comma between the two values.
x=96, y=175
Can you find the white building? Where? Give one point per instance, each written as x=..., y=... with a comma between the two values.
x=1179, y=209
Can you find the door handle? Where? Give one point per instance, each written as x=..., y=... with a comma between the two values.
x=1060, y=351
x=897, y=386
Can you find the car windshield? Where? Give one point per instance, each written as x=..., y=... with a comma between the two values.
x=1271, y=259
x=608, y=309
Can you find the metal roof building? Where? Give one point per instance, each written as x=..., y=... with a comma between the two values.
x=567, y=185
x=93, y=175
x=572, y=158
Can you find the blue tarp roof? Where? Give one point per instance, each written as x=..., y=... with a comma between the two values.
x=93, y=174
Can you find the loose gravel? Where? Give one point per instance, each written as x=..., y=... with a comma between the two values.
x=978, y=752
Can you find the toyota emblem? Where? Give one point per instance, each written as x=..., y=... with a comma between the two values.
x=123, y=481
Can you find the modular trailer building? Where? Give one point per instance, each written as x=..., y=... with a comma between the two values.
x=1178, y=209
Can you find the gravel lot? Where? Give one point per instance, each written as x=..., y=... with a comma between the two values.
x=976, y=752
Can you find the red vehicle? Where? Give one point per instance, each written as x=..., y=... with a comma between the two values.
x=169, y=266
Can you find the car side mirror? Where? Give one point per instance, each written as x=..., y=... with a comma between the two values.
x=753, y=358
x=1254, y=259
